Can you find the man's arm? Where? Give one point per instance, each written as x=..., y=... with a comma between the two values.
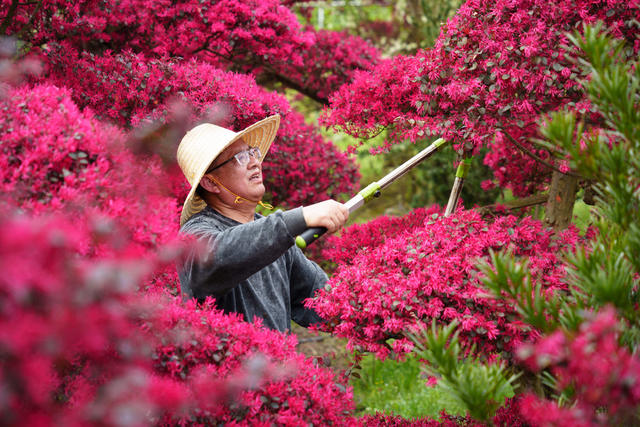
x=232, y=255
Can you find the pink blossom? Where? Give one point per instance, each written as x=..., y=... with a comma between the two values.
x=394, y=275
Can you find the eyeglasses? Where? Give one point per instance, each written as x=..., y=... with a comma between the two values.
x=243, y=158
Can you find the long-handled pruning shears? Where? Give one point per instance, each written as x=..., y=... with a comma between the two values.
x=372, y=190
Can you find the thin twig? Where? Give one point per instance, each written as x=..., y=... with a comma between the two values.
x=536, y=157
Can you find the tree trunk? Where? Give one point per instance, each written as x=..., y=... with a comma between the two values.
x=562, y=196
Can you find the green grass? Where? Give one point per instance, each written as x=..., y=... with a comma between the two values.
x=582, y=215
x=399, y=388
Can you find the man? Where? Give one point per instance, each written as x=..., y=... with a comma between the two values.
x=250, y=264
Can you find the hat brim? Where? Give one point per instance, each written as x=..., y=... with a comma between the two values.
x=260, y=134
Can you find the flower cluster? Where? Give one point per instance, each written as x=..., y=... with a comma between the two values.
x=394, y=275
x=55, y=156
x=70, y=351
x=599, y=372
x=238, y=371
x=496, y=66
x=262, y=38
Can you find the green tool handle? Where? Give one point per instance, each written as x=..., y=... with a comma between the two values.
x=312, y=234
x=309, y=236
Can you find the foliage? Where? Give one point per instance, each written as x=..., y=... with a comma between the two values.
x=69, y=349
x=90, y=347
x=130, y=60
x=240, y=372
x=399, y=27
x=591, y=370
x=395, y=28
x=398, y=387
x=418, y=22
x=76, y=162
x=396, y=274
x=480, y=389
x=81, y=346
x=431, y=182
x=262, y=38
x=587, y=360
x=589, y=356
x=605, y=271
x=495, y=67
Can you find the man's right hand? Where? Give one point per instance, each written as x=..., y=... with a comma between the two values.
x=329, y=214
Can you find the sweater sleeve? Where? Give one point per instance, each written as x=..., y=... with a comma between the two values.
x=231, y=255
x=306, y=278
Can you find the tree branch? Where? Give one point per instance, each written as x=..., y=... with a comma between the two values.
x=525, y=202
x=272, y=74
x=536, y=157
x=297, y=86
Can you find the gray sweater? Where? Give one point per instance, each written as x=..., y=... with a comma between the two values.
x=253, y=268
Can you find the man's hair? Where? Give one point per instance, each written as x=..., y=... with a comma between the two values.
x=202, y=192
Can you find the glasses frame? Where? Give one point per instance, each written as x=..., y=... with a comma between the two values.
x=250, y=152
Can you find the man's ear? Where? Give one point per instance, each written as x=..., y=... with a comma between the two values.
x=208, y=184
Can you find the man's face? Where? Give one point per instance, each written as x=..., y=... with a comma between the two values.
x=245, y=181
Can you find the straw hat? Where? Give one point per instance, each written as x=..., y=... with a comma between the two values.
x=204, y=143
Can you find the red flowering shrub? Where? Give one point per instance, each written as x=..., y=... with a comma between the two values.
x=349, y=243
x=384, y=287
x=301, y=167
x=70, y=352
x=79, y=345
x=183, y=28
x=496, y=66
x=257, y=371
x=591, y=364
x=262, y=38
x=56, y=156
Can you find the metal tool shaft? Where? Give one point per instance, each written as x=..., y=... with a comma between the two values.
x=372, y=190
x=410, y=164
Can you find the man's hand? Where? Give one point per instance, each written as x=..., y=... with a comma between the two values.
x=329, y=214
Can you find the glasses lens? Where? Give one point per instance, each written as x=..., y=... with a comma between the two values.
x=243, y=157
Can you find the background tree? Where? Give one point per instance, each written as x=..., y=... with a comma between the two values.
x=495, y=67
x=262, y=38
